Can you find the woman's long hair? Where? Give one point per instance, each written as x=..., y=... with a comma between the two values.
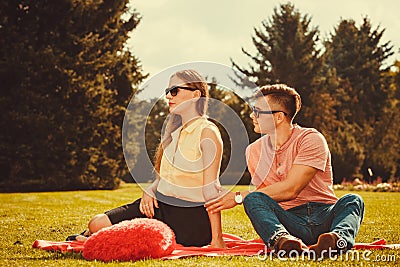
x=192, y=79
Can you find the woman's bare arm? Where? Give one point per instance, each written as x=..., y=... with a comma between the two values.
x=211, y=147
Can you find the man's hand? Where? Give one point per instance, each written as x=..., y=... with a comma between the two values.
x=227, y=201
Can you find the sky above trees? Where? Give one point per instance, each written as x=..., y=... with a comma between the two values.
x=175, y=31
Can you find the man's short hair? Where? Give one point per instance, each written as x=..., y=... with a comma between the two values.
x=283, y=95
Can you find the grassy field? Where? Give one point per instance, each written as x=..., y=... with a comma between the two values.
x=26, y=217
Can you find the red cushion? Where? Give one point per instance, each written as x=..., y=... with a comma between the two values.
x=130, y=240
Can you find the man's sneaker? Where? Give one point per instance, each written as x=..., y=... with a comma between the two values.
x=289, y=243
x=328, y=244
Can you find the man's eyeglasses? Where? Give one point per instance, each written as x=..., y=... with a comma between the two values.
x=175, y=89
x=257, y=112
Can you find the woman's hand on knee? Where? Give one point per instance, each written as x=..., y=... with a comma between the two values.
x=147, y=205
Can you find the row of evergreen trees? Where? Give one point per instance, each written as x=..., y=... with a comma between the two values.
x=349, y=91
x=66, y=79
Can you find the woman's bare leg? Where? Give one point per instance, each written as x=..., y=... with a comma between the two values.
x=99, y=222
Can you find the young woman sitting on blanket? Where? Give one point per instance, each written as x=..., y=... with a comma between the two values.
x=187, y=161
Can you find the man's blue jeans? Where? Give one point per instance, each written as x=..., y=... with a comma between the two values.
x=306, y=221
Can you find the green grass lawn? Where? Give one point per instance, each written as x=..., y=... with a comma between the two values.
x=26, y=217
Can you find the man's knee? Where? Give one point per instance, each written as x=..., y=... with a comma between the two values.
x=252, y=197
x=257, y=200
x=353, y=198
x=98, y=222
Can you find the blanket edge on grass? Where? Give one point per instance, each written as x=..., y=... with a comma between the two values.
x=236, y=246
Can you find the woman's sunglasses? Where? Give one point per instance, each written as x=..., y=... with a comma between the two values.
x=175, y=89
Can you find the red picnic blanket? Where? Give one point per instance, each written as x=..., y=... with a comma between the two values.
x=235, y=246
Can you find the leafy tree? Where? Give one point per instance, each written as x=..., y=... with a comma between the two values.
x=153, y=123
x=66, y=80
x=286, y=53
x=223, y=120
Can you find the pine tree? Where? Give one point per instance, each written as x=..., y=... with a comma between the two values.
x=358, y=58
x=356, y=54
x=286, y=53
x=387, y=145
x=66, y=80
